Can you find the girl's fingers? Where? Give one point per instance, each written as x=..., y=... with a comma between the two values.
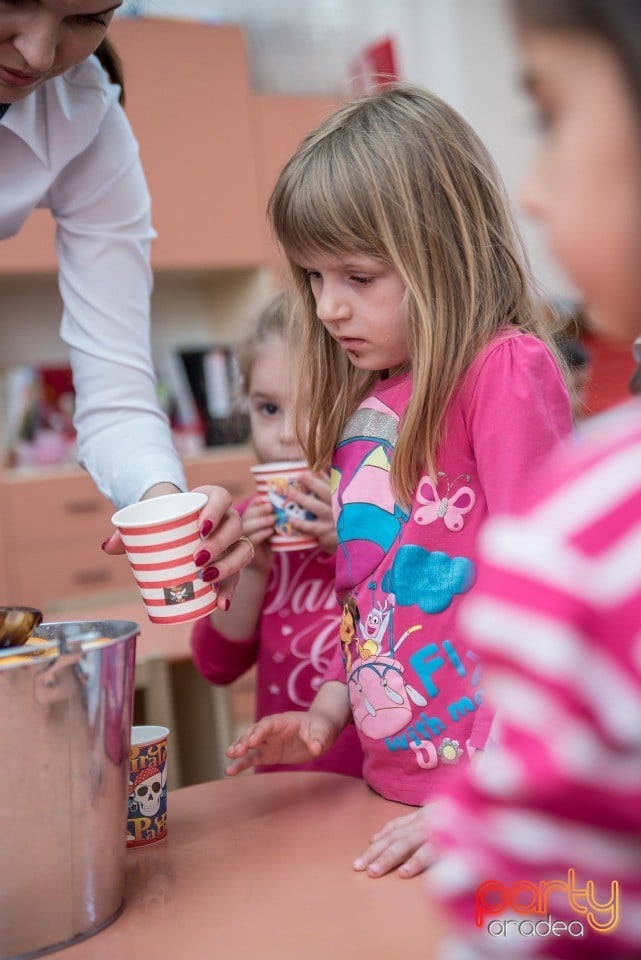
x=398, y=823
x=319, y=486
x=244, y=763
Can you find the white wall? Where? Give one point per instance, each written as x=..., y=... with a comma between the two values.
x=462, y=49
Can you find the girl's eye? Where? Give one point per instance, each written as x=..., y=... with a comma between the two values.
x=362, y=280
x=269, y=409
x=91, y=20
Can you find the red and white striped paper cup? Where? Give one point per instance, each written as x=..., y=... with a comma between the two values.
x=273, y=483
x=160, y=536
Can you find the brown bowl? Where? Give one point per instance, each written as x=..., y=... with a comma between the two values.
x=17, y=624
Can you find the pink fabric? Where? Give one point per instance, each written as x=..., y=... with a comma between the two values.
x=556, y=616
x=415, y=690
x=296, y=636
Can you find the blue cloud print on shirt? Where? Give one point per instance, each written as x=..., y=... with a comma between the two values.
x=428, y=579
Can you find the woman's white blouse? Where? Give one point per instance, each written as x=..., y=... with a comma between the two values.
x=69, y=147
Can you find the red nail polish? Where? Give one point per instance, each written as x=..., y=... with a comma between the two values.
x=206, y=528
x=202, y=557
x=211, y=573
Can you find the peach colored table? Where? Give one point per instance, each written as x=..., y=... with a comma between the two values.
x=259, y=868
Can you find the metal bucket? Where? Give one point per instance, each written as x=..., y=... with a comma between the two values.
x=65, y=727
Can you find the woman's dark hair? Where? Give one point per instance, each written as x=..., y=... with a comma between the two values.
x=615, y=22
x=112, y=65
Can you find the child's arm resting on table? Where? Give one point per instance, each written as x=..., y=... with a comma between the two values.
x=404, y=841
x=293, y=737
x=401, y=843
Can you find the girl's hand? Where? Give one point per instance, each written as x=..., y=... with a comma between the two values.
x=221, y=554
x=258, y=524
x=317, y=501
x=401, y=843
x=290, y=737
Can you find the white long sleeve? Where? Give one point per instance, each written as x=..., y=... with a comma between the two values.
x=69, y=147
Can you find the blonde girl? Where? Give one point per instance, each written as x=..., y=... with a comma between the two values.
x=431, y=382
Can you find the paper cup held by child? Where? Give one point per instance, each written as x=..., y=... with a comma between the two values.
x=147, y=801
x=273, y=482
x=160, y=537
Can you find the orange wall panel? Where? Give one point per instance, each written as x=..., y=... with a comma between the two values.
x=280, y=123
x=188, y=101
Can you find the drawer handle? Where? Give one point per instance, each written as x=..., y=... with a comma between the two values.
x=84, y=577
x=82, y=506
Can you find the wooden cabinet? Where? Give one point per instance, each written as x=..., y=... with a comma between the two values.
x=4, y=582
x=188, y=101
x=211, y=148
x=53, y=525
x=32, y=250
x=279, y=124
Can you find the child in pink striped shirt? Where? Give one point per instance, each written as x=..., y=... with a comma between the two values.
x=540, y=847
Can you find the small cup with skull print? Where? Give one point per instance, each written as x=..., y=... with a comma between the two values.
x=147, y=802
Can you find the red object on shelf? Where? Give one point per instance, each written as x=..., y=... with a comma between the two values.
x=374, y=67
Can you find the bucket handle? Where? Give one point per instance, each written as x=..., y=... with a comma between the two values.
x=56, y=682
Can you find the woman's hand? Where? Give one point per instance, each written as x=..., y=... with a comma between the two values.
x=317, y=501
x=401, y=843
x=221, y=553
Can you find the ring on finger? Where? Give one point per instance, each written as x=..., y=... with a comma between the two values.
x=246, y=540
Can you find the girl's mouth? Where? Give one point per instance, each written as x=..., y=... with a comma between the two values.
x=351, y=343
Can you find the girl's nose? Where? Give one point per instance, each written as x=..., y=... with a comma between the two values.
x=288, y=436
x=38, y=42
x=331, y=306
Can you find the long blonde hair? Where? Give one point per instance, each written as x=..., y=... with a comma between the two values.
x=400, y=176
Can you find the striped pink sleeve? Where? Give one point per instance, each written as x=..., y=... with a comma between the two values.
x=540, y=847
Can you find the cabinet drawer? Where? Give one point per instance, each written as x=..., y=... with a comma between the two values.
x=40, y=577
x=64, y=509
x=68, y=508
x=229, y=470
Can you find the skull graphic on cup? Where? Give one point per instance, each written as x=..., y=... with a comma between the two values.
x=147, y=801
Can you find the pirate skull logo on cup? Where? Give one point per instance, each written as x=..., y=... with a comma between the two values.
x=147, y=803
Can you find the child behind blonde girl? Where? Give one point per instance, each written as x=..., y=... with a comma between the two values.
x=427, y=377
x=285, y=616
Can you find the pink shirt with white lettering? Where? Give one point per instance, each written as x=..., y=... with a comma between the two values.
x=296, y=637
